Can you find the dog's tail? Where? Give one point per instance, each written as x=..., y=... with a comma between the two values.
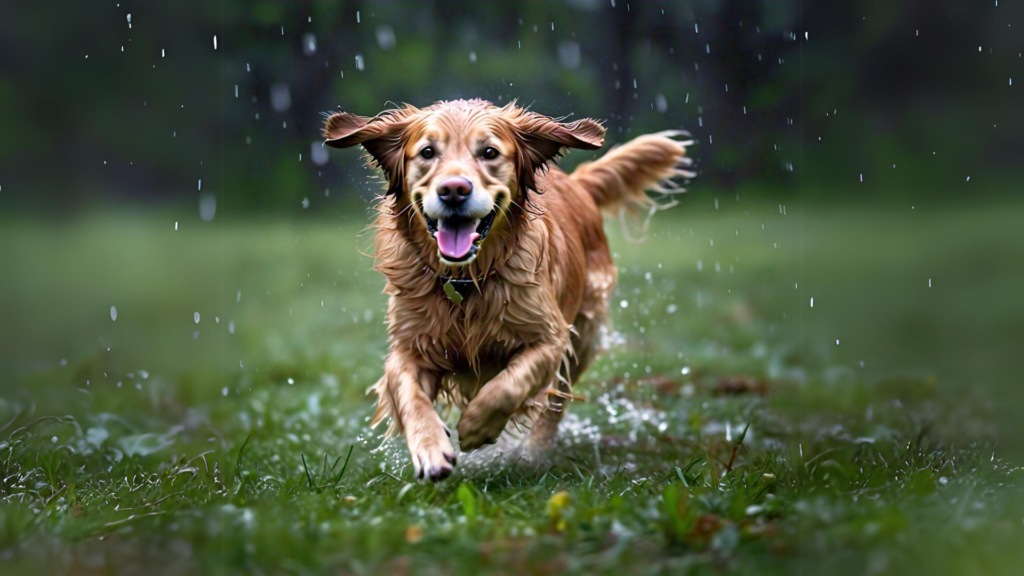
x=650, y=162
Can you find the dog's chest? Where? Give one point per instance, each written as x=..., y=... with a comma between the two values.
x=488, y=326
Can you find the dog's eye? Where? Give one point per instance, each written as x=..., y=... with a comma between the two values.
x=490, y=153
x=427, y=153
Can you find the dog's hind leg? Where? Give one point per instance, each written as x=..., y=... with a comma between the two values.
x=586, y=340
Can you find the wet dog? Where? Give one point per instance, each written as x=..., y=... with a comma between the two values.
x=496, y=261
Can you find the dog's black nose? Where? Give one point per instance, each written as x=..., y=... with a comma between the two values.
x=454, y=190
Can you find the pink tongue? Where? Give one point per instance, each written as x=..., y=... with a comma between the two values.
x=455, y=240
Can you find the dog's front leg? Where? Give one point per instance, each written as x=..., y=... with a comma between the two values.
x=527, y=373
x=408, y=391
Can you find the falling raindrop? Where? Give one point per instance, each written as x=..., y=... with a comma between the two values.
x=207, y=207
x=569, y=54
x=308, y=44
x=660, y=103
x=318, y=152
x=280, y=96
x=113, y=314
x=385, y=37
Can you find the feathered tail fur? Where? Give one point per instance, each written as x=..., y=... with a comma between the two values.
x=649, y=162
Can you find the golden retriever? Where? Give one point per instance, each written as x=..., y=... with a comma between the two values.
x=496, y=261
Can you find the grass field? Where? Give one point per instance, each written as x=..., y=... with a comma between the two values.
x=734, y=425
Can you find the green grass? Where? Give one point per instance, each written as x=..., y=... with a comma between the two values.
x=156, y=441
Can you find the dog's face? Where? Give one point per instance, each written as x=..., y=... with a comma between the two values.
x=459, y=173
x=460, y=164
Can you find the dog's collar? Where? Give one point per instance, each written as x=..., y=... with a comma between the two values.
x=457, y=289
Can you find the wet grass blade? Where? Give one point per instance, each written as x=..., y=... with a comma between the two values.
x=344, y=466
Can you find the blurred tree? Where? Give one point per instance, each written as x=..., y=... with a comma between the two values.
x=97, y=108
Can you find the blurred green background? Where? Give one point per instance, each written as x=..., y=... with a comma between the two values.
x=176, y=244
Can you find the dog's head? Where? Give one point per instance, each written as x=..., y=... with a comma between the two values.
x=461, y=164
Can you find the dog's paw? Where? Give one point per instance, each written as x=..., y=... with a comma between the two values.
x=480, y=425
x=433, y=457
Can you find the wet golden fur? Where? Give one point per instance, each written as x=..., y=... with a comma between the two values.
x=544, y=273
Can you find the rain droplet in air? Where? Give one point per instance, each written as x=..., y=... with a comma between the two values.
x=280, y=96
x=196, y=317
x=308, y=44
x=113, y=311
x=385, y=37
x=214, y=41
x=319, y=153
x=207, y=207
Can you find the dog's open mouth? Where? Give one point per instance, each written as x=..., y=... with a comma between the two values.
x=459, y=238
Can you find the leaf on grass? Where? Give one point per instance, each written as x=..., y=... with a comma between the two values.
x=739, y=385
x=707, y=525
x=413, y=534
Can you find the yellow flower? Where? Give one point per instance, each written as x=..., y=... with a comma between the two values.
x=557, y=504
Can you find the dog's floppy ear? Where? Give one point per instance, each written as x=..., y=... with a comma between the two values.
x=542, y=138
x=381, y=136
